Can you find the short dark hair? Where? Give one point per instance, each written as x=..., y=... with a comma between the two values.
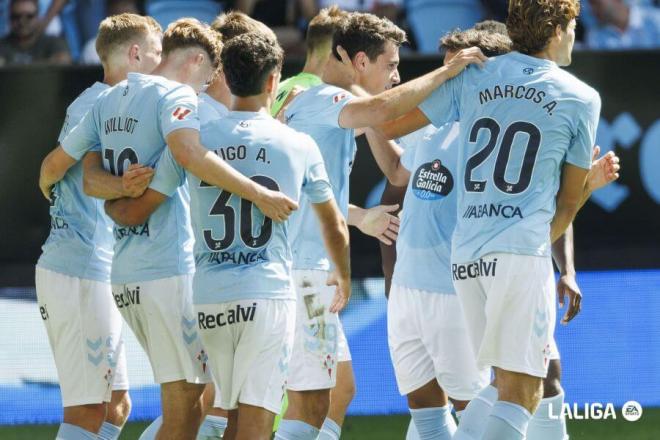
x=323, y=26
x=490, y=43
x=190, y=32
x=532, y=23
x=361, y=32
x=493, y=26
x=247, y=60
x=234, y=23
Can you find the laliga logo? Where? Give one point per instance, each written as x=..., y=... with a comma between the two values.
x=631, y=411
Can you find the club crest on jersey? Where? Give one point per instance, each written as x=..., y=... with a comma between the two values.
x=339, y=97
x=432, y=181
x=181, y=113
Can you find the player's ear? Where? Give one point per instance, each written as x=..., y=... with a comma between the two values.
x=199, y=58
x=134, y=52
x=272, y=81
x=360, y=61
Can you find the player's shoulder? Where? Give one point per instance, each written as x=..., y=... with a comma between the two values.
x=317, y=99
x=572, y=86
x=159, y=85
x=88, y=97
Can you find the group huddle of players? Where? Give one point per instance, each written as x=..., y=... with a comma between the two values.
x=225, y=247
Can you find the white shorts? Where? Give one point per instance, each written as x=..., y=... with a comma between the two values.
x=249, y=348
x=428, y=339
x=161, y=315
x=509, y=305
x=84, y=331
x=319, y=338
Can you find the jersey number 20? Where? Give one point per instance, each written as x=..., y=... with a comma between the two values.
x=502, y=160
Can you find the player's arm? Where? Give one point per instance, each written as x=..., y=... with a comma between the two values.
x=336, y=238
x=53, y=168
x=563, y=253
x=603, y=172
x=134, y=211
x=99, y=183
x=388, y=157
x=412, y=121
x=569, y=200
x=392, y=195
x=376, y=222
x=393, y=103
x=187, y=150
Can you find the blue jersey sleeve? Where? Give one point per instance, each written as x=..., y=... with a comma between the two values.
x=332, y=106
x=584, y=139
x=443, y=105
x=316, y=184
x=169, y=174
x=178, y=109
x=84, y=136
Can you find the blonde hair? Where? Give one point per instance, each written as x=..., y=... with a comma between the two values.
x=323, y=26
x=190, y=32
x=117, y=30
x=235, y=23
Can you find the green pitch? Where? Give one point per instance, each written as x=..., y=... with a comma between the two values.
x=394, y=427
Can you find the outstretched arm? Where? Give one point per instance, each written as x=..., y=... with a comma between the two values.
x=336, y=238
x=388, y=157
x=376, y=222
x=393, y=103
x=53, y=168
x=190, y=154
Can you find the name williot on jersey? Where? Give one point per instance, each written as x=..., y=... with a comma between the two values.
x=509, y=91
x=120, y=124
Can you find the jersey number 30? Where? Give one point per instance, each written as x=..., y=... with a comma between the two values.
x=221, y=207
x=502, y=161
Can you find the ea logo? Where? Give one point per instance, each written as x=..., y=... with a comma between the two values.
x=528, y=70
x=631, y=411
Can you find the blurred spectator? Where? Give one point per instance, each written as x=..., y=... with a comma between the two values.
x=287, y=18
x=112, y=7
x=623, y=24
x=431, y=19
x=25, y=43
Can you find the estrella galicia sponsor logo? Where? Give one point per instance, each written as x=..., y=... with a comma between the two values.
x=432, y=181
x=130, y=231
x=479, y=268
x=231, y=316
x=492, y=210
x=127, y=297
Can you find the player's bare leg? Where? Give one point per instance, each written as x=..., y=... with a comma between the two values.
x=117, y=413
x=310, y=407
x=254, y=423
x=431, y=414
x=215, y=422
x=232, y=425
x=549, y=422
x=342, y=394
x=182, y=410
x=88, y=417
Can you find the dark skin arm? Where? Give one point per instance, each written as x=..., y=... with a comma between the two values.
x=563, y=254
x=391, y=195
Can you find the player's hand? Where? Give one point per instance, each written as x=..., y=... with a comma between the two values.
x=463, y=58
x=46, y=190
x=342, y=292
x=136, y=180
x=567, y=286
x=604, y=170
x=380, y=223
x=275, y=205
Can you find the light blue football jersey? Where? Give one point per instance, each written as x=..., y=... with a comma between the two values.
x=316, y=113
x=423, y=248
x=210, y=109
x=131, y=121
x=80, y=240
x=239, y=253
x=521, y=118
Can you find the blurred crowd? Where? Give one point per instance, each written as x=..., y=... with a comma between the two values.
x=63, y=31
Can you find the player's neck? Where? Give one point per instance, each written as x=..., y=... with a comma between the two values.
x=546, y=54
x=220, y=93
x=257, y=103
x=112, y=77
x=336, y=78
x=315, y=64
x=172, y=71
